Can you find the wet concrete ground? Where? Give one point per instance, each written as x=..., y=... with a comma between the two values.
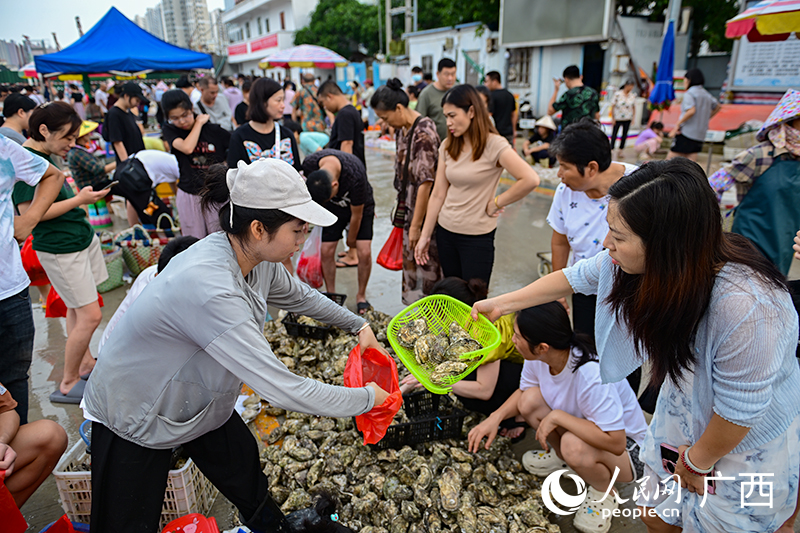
x=522, y=232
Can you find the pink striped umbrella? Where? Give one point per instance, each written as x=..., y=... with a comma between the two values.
x=770, y=20
x=304, y=56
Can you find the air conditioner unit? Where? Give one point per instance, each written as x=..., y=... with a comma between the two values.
x=448, y=43
x=492, y=45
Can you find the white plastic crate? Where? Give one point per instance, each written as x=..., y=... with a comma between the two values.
x=188, y=490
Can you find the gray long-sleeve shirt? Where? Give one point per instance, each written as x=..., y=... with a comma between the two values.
x=172, y=368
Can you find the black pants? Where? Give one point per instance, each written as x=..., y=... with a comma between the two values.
x=583, y=310
x=507, y=384
x=466, y=256
x=624, y=124
x=141, y=201
x=128, y=480
x=159, y=114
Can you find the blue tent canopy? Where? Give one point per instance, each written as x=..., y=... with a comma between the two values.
x=116, y=43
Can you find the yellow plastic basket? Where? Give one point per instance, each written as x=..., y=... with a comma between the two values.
x=439, y=311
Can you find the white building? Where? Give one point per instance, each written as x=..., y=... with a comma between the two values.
x=472, y=40
x=257, y=28
x=155, y=24
x=186, y=23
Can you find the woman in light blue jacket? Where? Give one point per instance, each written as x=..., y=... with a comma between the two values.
x=715, y=321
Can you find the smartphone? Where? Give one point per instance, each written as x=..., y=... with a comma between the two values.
x=115, y=182
x=670, y=457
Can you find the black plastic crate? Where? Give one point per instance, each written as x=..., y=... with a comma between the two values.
x=295, y=329
x=426, y=423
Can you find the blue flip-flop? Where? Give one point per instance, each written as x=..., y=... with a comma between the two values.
x=74, y=396
x=86, y=376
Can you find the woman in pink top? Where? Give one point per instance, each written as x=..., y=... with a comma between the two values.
x=289, y=92
x=463, y=208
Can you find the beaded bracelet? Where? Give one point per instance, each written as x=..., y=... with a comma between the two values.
x=687, y=464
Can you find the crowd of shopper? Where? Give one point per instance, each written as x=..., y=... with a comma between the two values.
x=708, y=314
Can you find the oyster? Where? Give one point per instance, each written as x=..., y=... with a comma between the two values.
x=430, y=348
x=446, y=370
x=410, y=511
x=467, y=517
x=408, y=334
x=450, y=489
x=457, y=333
x=461, y=347
x=298, y=499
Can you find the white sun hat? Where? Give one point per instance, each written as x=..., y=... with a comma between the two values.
x=274, y=184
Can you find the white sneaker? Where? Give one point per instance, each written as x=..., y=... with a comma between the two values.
x=542, y=463
x=589, y=516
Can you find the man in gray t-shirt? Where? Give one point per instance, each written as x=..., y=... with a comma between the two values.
x=213, y=104
x=697, y=108
x=429, y=103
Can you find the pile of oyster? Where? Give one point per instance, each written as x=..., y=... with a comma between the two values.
x=434, y=487
x=441, y=353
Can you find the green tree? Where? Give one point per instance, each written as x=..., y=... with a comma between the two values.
x=708, y=19
x=443, y=13
x=342, y=25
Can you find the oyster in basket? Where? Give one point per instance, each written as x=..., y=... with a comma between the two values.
x=430, y=348
x=458, y=333
x=460, y=347
x=408, y=334
x=446, y=370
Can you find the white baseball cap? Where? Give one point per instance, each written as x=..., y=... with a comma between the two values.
x=274, y=184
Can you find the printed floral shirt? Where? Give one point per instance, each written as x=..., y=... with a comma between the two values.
x=310, y=111
x=622, y=105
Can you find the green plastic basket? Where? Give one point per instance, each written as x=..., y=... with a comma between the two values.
x=439, y=311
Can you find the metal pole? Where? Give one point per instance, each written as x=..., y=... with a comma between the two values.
x=408, y=16
x=673, y=13
x=388, y=26
x=380, y=29
x=416, y=6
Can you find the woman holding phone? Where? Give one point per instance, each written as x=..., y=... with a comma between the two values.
x=716, y=322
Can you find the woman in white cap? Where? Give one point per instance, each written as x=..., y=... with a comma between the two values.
x=538, y=145
x=172, y=369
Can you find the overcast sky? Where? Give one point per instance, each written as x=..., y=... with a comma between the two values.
x=42, y=17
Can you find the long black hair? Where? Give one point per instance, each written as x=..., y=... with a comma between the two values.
x=549, y=323
x=215, y=193
x=670, y=206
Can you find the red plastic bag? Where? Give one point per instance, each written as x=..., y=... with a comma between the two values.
x=13, y=522
x=192, y=523
x=62, y=525
x=391, y=255
x=56, y=308
x=309, y=266
x=31, y=264
x=375, y=366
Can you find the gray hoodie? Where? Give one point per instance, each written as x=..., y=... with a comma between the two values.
x=172, y=368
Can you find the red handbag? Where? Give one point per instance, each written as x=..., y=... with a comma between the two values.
x=31, y=264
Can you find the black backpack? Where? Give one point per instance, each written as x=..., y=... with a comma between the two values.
x=132, y=174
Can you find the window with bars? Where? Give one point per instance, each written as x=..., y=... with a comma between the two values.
x=247, y=30
x=519, y=66
x=427, y=64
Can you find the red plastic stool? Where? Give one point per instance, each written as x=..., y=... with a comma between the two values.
x=192, y=523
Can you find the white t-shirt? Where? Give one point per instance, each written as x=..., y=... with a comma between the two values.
x=160, y=166
x=101, y=99
x=195, y=96
x=581, y=219
x=142, y=280
x=582, y=394
x=16, y=164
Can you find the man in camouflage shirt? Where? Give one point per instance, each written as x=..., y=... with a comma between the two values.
x=579, y=101
x=307, y=110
